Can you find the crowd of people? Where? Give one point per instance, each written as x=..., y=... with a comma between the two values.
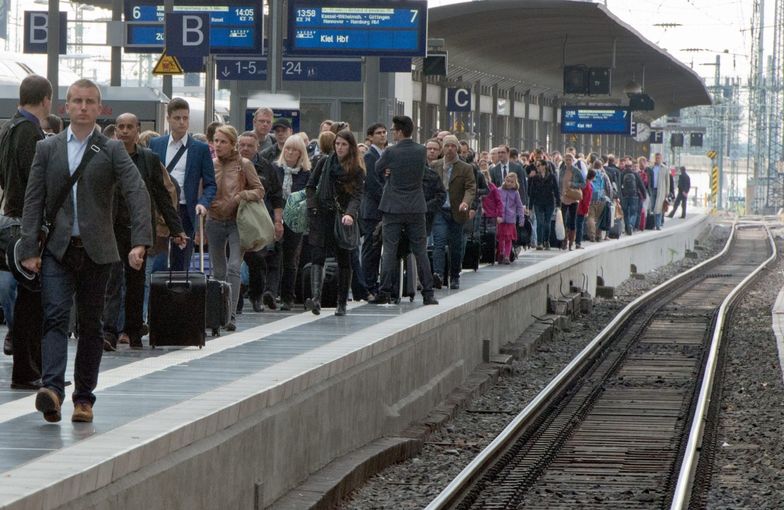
x=133, y=202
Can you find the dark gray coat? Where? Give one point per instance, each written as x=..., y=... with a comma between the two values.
x=111, y=167
x=403, y=193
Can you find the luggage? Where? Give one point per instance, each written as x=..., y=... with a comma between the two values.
x=472, y=254
x=488, y=242
x=218, y=312
x=177, y=307
x=329, y=289
x=616, y=229
x=650, y=221
x=524, y=234
x=407, y=278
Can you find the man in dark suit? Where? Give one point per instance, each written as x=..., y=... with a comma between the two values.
x=81, y=246
x=684, y=185
x=190, y=165
x=403, y=206
x=499, y=172
x=458, y=179
x=368, y=209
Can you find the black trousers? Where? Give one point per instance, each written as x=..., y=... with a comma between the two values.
x=26, y=335
x=679, y=200
x=416, y=230
x=134, y=290
x=371, y=255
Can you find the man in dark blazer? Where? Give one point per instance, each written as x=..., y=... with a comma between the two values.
x=499, y=172
x=81, y=246
x=191, y=169
x=368, y=209
x=403, y=206
x=458, y=178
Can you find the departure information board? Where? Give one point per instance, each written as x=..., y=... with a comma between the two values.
x=604, y=120
x=349, y=27
x=235, y=25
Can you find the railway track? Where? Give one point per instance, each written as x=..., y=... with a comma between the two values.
x=615, y=428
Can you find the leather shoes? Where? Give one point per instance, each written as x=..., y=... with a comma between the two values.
x=286, y=306
x=257, y=307
x=455, y=283
x=8, y=345
x=136, y=343
x=438, y=282
x=429, y=300
x=109, y=342
x=29, y=385
x=48, y=403
x=83, y=412
x=269, y=300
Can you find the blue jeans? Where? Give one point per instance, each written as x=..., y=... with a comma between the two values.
x=60, y=280
x=631, y=213
x=8, y=297
x=447, y=231
x=656, y=217
x=543, y=216
x=580, y=229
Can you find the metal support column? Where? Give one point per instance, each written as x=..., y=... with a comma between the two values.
x=168, y=7
x=494, y=124
x=541, y=132
x=116, y=59
x=371, y=92
x=512, y=130
x=53, y=49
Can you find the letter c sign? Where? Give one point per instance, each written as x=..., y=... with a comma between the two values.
x=458, y=100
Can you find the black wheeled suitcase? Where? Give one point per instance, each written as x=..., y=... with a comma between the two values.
x=407, y=278
x=218, y=312
x=177, y=308
x=472, y=254
x=650, y=221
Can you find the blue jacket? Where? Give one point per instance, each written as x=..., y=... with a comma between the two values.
x=198, y=170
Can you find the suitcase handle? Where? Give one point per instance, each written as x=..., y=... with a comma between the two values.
x=188, y=265
x=179, y=286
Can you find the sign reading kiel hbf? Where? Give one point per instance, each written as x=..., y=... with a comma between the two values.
x=348, y=27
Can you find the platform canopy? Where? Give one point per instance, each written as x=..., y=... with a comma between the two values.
x=526, y=43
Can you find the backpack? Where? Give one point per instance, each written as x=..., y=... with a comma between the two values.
x=295, y=214
x=6, y=149
x=629, y=185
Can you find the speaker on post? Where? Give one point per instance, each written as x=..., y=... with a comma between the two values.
x=575, y=80
x=641, y=102
x=695, y=139
x=599, y=81
x=434, y=64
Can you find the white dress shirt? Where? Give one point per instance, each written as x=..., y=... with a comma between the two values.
x=178, y=172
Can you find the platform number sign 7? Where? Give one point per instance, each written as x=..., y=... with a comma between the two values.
x=414, y=13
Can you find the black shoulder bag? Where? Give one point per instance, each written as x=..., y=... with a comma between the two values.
x=30, y=280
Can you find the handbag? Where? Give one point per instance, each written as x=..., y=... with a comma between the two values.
x=347, y=237
x=560, y=230
x=574, y=194
x=295, y=213
x=255, y=226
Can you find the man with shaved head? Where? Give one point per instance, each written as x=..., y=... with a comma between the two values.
x=151, y=171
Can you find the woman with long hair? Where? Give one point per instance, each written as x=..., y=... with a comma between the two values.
x=236, y=180
x=293, y=168
x=334, y=189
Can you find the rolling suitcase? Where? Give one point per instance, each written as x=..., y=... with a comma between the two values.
x=218, y=312
x=177, y=308
x=472, y=254
x=407, y=278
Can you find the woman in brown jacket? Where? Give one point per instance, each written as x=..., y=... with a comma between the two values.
x=236, y=180
x=335, y=187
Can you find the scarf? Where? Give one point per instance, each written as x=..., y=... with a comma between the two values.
x=288, y=172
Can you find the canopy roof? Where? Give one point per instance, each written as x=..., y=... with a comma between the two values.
x=526, y=43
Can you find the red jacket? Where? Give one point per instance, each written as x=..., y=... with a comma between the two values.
x=585, y=202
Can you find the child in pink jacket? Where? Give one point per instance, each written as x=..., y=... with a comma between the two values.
x=513, y=213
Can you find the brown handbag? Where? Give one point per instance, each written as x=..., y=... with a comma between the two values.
x=575, y=194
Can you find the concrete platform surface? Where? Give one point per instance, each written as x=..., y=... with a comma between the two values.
x=238, y=423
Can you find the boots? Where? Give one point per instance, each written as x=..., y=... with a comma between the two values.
x=313, y=303
x=344, y=283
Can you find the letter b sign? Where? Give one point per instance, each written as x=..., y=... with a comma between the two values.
x=188, y=35
x=36, y=31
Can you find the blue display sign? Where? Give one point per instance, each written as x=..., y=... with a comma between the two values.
x=277, y=113
x=603, y=120
x=236, y=26
x=351, y=27
x=293, y=69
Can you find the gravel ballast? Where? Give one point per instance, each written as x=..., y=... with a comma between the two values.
x=748, y=468
x=415, y=482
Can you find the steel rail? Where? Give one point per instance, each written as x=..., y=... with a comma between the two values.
x=453, y=492
x=683, y=486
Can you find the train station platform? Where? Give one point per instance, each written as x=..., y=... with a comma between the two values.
x=244, y=420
